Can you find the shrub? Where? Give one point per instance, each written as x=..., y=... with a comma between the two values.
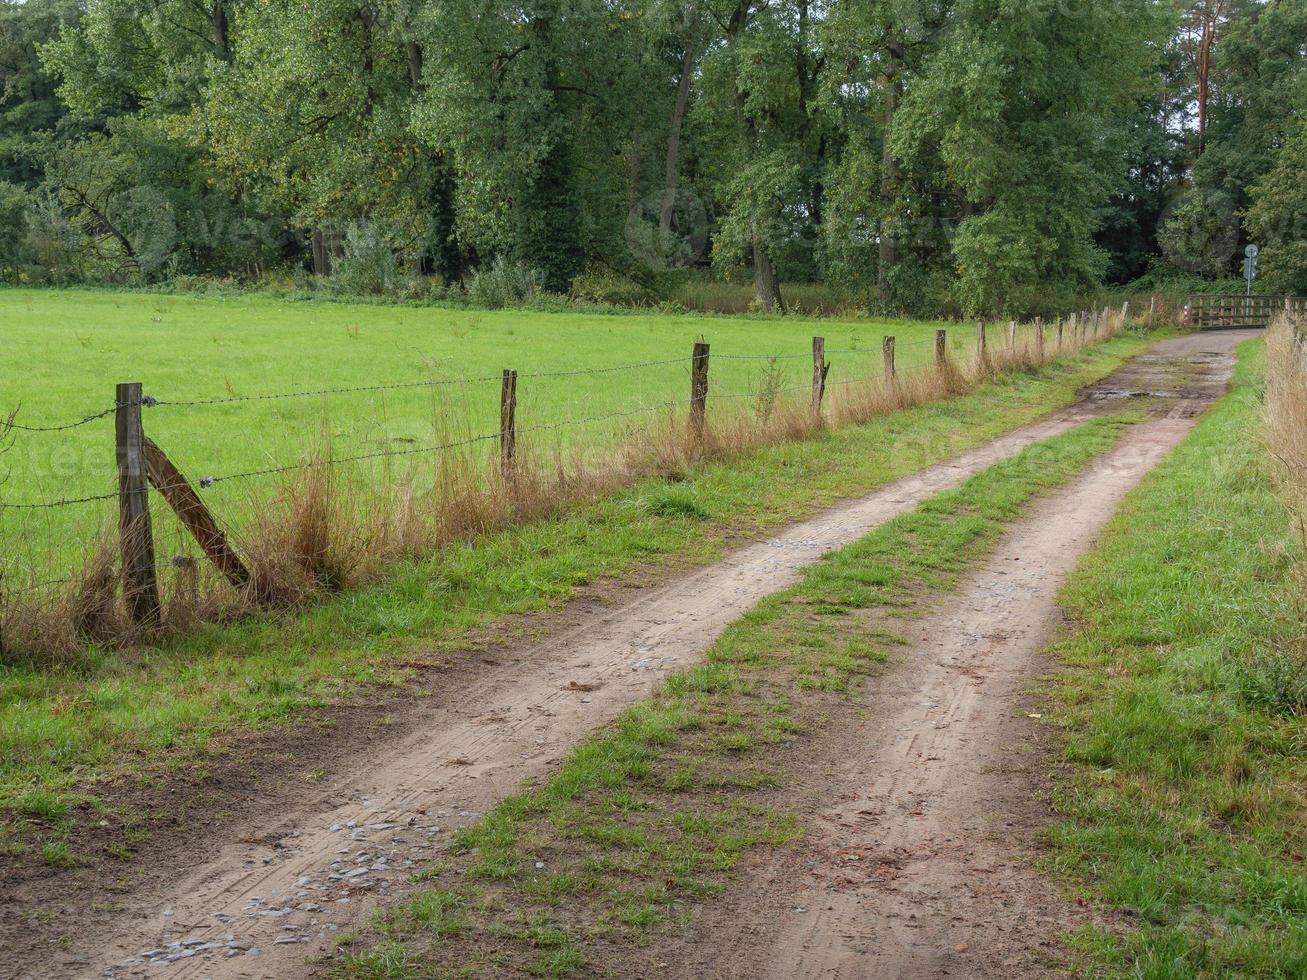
x=504, y=283
x=16, y=251
x=367, y=262
x=606, y=286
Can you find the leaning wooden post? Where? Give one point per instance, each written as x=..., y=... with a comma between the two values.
x=941, y=348
x=508, y=423
x=887, y=347
x=194, y=515
x=140, y=581
x=699, y=392
x=820, y=369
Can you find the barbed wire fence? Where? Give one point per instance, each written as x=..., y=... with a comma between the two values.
x=143, y=465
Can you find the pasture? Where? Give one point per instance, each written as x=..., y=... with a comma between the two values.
x=431, y=376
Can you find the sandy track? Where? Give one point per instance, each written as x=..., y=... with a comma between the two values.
x=923, y=865
x=262, y=906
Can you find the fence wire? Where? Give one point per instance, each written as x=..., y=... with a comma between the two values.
x=722, y=391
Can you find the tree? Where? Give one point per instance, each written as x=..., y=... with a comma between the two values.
x=1278, y=217
x=29, y=105
x=533, y=104
x=1025, y=105
x=1204, y=21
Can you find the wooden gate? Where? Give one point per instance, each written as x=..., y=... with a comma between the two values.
x=1217, y=312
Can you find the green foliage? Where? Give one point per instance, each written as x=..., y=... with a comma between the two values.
x=1024, y=106
x=1278, y=217
x=599, y=285
x=504, y=284
x=16, y=251
x=367, y=261
x=932, y=156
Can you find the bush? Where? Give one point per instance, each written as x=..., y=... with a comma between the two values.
x=55, y=244
x=608, y=287
x=504, y=283
x=16, y=253
x=367, y=262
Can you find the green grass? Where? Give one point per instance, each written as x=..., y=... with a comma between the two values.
x=115, y=712
x=655, y=811
x=66, y=350
x=1184, y=707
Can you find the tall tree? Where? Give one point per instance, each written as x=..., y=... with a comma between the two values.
x=1025, y=103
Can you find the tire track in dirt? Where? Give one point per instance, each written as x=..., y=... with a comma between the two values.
x=261, y=907
x=923, y=866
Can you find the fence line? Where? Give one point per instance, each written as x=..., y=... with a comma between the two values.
x=143, y=465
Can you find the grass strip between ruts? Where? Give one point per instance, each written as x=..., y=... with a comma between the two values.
x=650, y=814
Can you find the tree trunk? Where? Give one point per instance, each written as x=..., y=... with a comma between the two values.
x=221, y=34
x=766, y=289
x=321, y=254
x=414, y=52
x=672, y=169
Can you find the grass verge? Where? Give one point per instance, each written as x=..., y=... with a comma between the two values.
x=110, y=712
x=1185, y=697
x=651, y=814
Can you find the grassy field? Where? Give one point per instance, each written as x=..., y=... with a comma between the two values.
x=65, y=351
x=115, y=712
x=1185, y=708
x=651, y=814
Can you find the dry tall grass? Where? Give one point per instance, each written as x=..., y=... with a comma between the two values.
x=325, y=528
x=1285, y=414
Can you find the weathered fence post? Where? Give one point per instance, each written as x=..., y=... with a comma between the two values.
x=1039, y=337
x=887, y=348
x=941, y=348
x=980, y=342
x=820, y=369
x=1012, y=336
x=508, y=423
x=1061, y=329
x=140, y=581
x=699, y=392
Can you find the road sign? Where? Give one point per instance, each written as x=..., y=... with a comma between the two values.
x=1252, y=251
x=1250, y=265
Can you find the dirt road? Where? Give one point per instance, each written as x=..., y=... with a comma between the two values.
x=259, y=906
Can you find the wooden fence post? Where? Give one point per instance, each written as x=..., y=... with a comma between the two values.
x=140, y=581
x=941, y=348
x=699, y=392
x=980, y=342
x=1039, y=337
x=820, y=370
x=1012, y=336
x=887, y=347
x=508, y=423
x=1061, y=330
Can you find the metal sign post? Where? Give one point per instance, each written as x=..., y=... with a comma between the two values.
x=1250, y=265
